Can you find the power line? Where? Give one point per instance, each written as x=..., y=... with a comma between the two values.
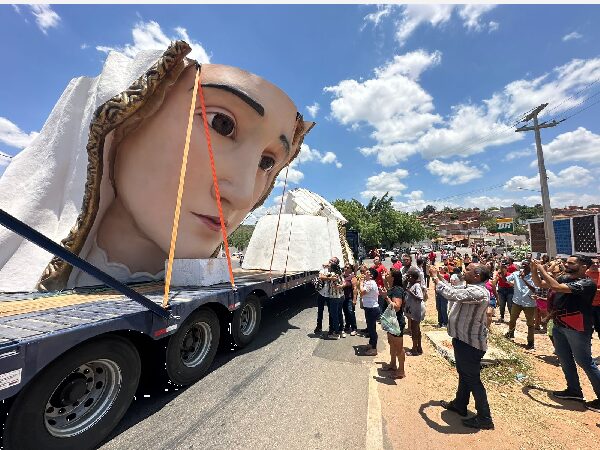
x=547, y=113
x=581, y=110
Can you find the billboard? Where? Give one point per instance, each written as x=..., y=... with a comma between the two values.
x=573, y=235
x=505, y=225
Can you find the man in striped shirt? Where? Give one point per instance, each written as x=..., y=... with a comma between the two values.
x=468, y=326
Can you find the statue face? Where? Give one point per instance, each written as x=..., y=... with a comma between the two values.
x=251, y=125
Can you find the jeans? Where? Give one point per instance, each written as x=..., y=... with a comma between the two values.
x=321, y=302
x=335, y=315
x=468, y=366
x=371, y=316
x=576, y=347
x=382, y=305
x=505, y=296
x=348, y=310
x=515, y=312
x=441, y=304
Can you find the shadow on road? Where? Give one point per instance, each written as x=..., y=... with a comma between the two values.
x=552, y=402
x=453, y=423
x=155, y=393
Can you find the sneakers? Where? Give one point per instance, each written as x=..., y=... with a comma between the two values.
x=343, y=334
x=568, y=395
x=371, y=352
x=594, y=405
x=318, y=330
x=450, y=407
x=529, y=346
x=479, y=422
x=333, y=336
x=353, y=333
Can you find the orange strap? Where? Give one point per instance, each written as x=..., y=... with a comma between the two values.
x=216, y=183
x=279, y=218
x=186, y=149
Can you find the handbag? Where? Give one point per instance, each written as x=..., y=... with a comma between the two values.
x=389, y=321
x=318, y=283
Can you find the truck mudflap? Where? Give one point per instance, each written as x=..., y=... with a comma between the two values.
x=12, y=364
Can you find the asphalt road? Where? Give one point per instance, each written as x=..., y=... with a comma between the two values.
x=288, y=389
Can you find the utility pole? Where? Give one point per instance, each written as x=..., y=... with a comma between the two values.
x=548, y=225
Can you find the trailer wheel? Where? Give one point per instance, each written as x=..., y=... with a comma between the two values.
x=77, y=400
x=191, y=350
x=246, y=321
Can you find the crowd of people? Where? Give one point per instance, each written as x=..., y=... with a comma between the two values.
x=559, y=296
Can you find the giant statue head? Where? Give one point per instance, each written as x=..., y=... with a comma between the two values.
x=126, y=175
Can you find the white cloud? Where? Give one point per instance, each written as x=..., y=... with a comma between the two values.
x=562, y=199
x=485, y=201
x=493, y=26
x=306, y=155
x=571, y=36
x=578, y=145
x=471, y=14
x=313, y=110
x=4, y=159
x=517, y=154
x=294, y=176
x=414, y=195
x=404, y=121
x=149, y=36
x=414, y=15
x=83, y=46
x=331, y=158
x=378, y=185
x=12, y=135
x=392, y=102
x=45, y=17
x=382, y=11
x=454, y=173
x=573, y=176
x=17, y=9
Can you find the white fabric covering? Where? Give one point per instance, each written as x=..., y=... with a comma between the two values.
x=303, y=201
x=44, y=184
x=313, y=240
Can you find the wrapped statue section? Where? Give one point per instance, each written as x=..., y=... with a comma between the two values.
x=309, y=234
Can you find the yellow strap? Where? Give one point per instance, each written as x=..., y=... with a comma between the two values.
x=188, y=135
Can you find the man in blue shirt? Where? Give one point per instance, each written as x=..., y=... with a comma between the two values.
x=522, y=301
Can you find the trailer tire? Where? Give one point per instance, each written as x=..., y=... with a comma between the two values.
x=246, y=321
x=192, y=349
x=45, y=413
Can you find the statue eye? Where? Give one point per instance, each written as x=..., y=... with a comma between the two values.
x=221, y=123
x=266, y=163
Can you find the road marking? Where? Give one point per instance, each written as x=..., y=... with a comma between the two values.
x=374, y=423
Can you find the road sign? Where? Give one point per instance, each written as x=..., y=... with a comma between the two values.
x=506, y=225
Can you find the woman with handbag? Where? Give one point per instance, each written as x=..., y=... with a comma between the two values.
x=395, y=300
x=414, y=309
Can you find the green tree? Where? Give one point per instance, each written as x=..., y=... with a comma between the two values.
x=491, y=225
x=378, y=223
x=241, y=237
x=429, y=209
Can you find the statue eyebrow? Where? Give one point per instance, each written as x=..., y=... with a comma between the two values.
x=285, y=143
x=240, y=94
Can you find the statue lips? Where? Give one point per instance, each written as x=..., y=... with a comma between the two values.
x=212, y=222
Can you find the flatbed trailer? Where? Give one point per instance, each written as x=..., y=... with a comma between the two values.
x=70, y=361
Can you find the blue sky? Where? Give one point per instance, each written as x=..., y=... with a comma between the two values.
x=414, y=99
